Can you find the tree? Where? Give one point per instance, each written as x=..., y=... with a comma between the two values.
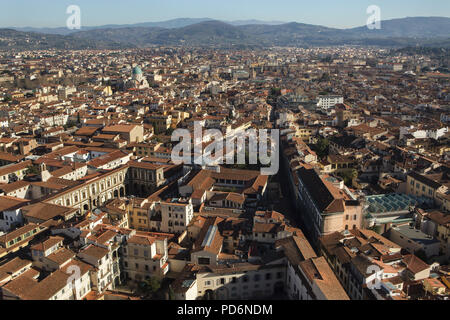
x=325, y=77
x=275, y=92
x=150, y=286
x=349, y=177
x=169, y=131
x=171, y=294
x=69, y=124
x=322, y=147
x=32, y=169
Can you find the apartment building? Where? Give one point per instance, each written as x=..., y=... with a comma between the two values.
x=339, y=164
x=328, y=205
x=14, y=172
x=270, y=226
x=313, y=279
x=294, y=273
x=19, y=238
x=59, y=285
x=208, y=244
x=128, y=132
x=105, y=275
x=176, y=214
x=370, y=266
x=10, y=213
x=235, y=282
x=12, y=269
x=436, y=223
x=42, y=250
x=161, y=123
x=249, y=183
x=432, y=186
x=143, y=215
x=145, y=255
x=329, y=101
x=414, y=240
x=143, y=178
x=110, y=160
x=94, y=191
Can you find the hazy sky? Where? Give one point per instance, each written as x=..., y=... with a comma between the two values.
x=332, y=13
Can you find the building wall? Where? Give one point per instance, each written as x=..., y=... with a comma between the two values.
x=93, y=194
x=103, y=278
x=417, y=188
x=144, y=182
x=296, y=290
x=332, y=223
x=239, y=285
x=9, y=219
x=411, y=245
x=140, y=261
x=176, y=217
x=195, y=256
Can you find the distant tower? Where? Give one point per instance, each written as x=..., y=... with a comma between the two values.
x=45, y=175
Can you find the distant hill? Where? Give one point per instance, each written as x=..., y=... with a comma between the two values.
x=169, y=24
x=423, y=31
x=289, y=34
x=17, y=40
x=128, y=37
x=204, y=33
x=417, y=27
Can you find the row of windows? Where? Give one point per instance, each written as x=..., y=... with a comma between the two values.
x=93, y=189
x=146, y=267
x=342, y=166
x=227, y=181
x=177, y=209
x=264, y=235
x=424, y=189
x=181, y=216
x=245, y=279
x=81, y=293
x=176, y=223
x=22, y=237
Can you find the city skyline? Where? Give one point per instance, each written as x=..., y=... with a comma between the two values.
x=345, y=14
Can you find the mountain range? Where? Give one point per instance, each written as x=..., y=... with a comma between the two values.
x=168, y=24
x=424, y=31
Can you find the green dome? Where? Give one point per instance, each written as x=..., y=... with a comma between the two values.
x=137, y=70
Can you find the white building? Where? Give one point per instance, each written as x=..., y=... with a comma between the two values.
x=176, y=215
x=104, y=274
x=423, y=133
x=10, y=214
x=329, y=101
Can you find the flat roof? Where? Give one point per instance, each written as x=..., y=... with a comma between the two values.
x=415, y=235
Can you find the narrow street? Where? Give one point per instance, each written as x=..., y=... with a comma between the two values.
x=286, y=204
